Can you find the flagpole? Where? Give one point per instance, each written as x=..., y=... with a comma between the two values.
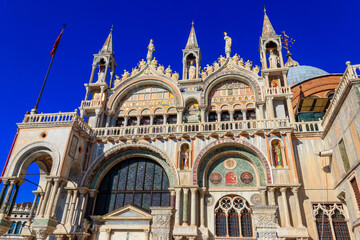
x=34, y=110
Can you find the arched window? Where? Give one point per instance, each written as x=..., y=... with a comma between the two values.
x=277, y=156
x=340, y=226
x=323, y=226
x=233, y=217
x=18, y=227
x=12, y=228
x=136, y=181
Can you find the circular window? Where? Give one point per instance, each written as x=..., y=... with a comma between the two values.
x=43, y=135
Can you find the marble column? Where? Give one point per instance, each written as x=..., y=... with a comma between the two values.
x=13, y=198
x=151, y=119
x=261, y=110
x=72, y=206
x=285, y=78
x=126, y=118
x=82, y=203
x=44, y=204
x=186, y=207
x=290, y=109
x=285, y=206
x=193, y=206
x=3, y=190
x=270, y=107
x=202, y=207
x=172, y=197
x=92, y=73
x=41, y=200
x=179, y=116
x=5, y=204
x=271, y=191
x=231, y=112
x=263, y=196
x=218, y=114
x=165, y=116
x=66, y=206
x=138, y=119
x=36, y=197
x=266, y=75
x=202, y=113
x=57, y=198
x=295, y=190
x=244, y=111
x=177, y=206
x=52, y=197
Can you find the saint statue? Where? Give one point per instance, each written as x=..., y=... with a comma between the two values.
x=203, y=75
x=276, y=150
x=151, y=49
x=228, y=42
x=216, y=66
x=273, y=59
x=160, y=69
x=175, y=76
x=221, y=60
x=236, y=58
x=141, y=64
x=101, y=76
x=186, y=159
x=192, y=70
x=125, y=75
x=168, y=71
x=209, y=69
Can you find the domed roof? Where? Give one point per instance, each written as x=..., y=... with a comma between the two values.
x=299, y=74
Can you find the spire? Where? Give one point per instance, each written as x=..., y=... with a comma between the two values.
x=291, y=62
x=192, y=41
x=108, y=45
x=268, y=29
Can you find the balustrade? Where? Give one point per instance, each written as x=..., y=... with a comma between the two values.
x=351, y=72
x=277, y=90
x=313, y=126
x=91, y=103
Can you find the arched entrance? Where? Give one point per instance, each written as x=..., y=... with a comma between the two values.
x=137, y=181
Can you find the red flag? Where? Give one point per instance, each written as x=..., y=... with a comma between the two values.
x=56, y=44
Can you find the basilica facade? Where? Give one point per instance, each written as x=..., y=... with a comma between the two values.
x=222, y=151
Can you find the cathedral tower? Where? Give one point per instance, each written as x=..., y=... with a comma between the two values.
x=104, y=65
x=278, y=93
x=191, y=57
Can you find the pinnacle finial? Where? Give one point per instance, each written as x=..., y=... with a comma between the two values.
x=112, y=27
x=192, y=41
x=192, y=23
x=264, y=9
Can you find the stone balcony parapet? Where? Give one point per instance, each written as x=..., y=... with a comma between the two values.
x=276, y=91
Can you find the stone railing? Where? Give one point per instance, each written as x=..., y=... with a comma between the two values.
x=349, y=74
x=55, y=119
x=91, y=103
x=278, y=90
x=313, y=126
x=191, y=128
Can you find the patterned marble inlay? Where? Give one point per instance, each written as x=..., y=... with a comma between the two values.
x=246, y=177
x=230, y=163
x=215, y=178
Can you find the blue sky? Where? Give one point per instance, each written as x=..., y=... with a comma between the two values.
x=326, y=34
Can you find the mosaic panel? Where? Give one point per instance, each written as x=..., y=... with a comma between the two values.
x=247, y=177
x=215, y=178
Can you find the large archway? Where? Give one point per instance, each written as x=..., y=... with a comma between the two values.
x=228, y=148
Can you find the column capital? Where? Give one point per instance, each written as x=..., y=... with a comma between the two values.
x=193, y=190
x=111, y=113
x=83, y=190
x=269, y=99
x=180, y=109
x=186, y=190
x=203, y=106
x=295, y=189
x=93, y=192
x=271, y=189
x=283, y=189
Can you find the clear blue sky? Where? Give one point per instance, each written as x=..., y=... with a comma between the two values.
x=326, y=34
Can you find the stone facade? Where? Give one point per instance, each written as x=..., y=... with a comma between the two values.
x=214, y=154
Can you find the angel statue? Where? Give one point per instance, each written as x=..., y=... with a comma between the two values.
x=228, y=42
x=151, y=49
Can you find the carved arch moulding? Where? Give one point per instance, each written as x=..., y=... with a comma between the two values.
x=124, y=151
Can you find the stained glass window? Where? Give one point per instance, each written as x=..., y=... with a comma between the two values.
x=137, y=181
